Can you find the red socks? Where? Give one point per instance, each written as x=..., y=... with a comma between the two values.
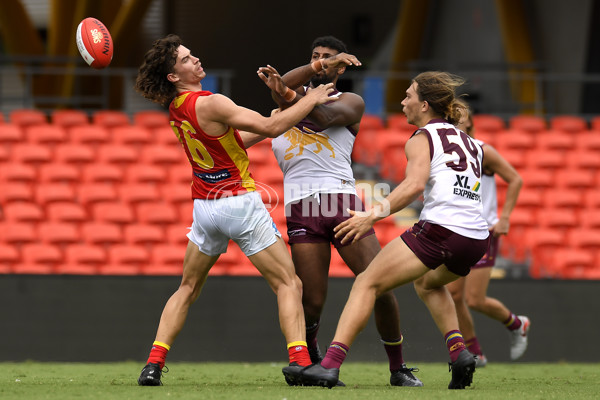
x=158, y=354
x=298, y=353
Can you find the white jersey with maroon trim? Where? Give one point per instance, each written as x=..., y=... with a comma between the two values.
x=452, y=196
x=315, y=160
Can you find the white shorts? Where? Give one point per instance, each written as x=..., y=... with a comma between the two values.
x=243, y=219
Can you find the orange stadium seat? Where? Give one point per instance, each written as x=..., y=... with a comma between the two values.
x=165, y=260
x=102, y=173
x=60, y=173
x=31, y=153
x=118, y=154
x=488, y=123
x=547, y=159
x=91, y=193
x=101, y=233
x=125, y=260
x=16, y=191
x=74, y=153
x=185, y=211
x=18, y=172
x=93, y=135
x=131, y=135
x=113, y=212
x=181, y=173
x=370, y=121
x=164, y=154
x=68, y=118
x=9, y=256
x=151, y=118
x=531, y=123
x=591, y=219
x=46, y=134
x=514, y=140
x=39, y=258
x=66, y=212
x=584, y=238
x=4, y=156
x=555, y=217
x=589, y=141
x=583, y=160
x=165, y=135
x=177, y=233
x=591, y=199
x=516, y=158
x=27, y=117
x=365, y=148
x=134, y=193
x=11, y=133
x=560, y=200
x=177, y=193
x=83, y=259
x=543, y=244
x=145, y=173
x=110, y=118
x=18, y=233
x=144, y=234
x=23, y=212
x=157, y=213
x=570, y=263
x=556, y=140
x=53, y=192
x=398, y=121
x=534, y=178
x=568, y=123
x=582, y=179
x=59, y=233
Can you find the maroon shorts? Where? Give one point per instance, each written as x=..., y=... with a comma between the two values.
x=489, y=258
x=435, y=245
x=312, y=219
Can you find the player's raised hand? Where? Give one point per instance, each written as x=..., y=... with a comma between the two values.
x=340, y=60
x=272, y=79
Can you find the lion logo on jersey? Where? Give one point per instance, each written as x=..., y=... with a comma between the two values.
x=300, y=140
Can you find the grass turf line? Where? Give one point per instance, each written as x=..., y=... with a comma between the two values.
x=242, y=381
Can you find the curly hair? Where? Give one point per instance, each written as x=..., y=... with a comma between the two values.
x=159, y=61
x=439, y=90
x=330, y=42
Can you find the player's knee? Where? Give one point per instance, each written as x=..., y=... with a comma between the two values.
x=475, y=302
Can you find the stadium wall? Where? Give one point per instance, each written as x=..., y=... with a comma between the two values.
x=102, y=318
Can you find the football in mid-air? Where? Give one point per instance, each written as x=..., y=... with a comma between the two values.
x=94, y=43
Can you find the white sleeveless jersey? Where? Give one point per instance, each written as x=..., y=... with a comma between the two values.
x=489, y=196
x=452, y=196
x=314, y=160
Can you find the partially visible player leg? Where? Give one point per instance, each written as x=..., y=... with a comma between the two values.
x=275, y=265
x=432, y=290
x=358, y=256
x=395, y=265
x=311, y=261
x=477, y=299
x=195, y=270
x=465, y=319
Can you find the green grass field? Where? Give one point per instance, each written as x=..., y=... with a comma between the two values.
x=233, y=381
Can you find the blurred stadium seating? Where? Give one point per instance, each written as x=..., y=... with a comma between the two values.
x=107, y=193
